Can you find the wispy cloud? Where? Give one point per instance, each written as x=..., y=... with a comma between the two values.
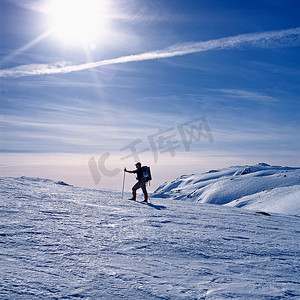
x=245, y=94
x=280, y=38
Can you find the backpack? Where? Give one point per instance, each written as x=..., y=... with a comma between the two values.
x=147, y=173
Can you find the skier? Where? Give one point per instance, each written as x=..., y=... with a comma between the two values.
x=141, y=182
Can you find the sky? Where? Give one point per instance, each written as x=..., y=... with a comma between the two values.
x=90, y=87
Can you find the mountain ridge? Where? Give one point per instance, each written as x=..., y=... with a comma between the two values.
x=230, y=186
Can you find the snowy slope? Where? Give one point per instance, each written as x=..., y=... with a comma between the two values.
x=278, y=200
x=241, y=186
x=59, y=241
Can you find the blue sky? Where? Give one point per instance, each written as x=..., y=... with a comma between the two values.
x=74, y=95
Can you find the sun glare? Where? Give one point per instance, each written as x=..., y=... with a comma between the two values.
x=78, y=21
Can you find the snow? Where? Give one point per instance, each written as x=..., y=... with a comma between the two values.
x=278, y=200
x=260, y=187
x=60, y=241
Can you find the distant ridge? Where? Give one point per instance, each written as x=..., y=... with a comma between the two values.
x=272, y=188
x=37, y=179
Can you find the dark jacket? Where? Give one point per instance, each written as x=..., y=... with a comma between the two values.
x=139, y=174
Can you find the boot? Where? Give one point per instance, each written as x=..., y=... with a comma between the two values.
x=133, y=196
x=146, y=197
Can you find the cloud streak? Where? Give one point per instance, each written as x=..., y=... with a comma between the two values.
x=280, y=38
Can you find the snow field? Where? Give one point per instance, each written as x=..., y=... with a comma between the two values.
x=60, y=241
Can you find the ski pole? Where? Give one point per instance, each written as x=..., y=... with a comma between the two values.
x=123, y=184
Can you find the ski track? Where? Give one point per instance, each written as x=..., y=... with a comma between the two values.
x=65, y=242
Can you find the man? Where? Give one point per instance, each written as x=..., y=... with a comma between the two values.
x=141, y=182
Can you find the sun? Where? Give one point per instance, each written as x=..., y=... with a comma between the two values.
x=78, y=21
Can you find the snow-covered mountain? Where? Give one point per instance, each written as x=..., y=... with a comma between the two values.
x=260, y=187
x=63, y=242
